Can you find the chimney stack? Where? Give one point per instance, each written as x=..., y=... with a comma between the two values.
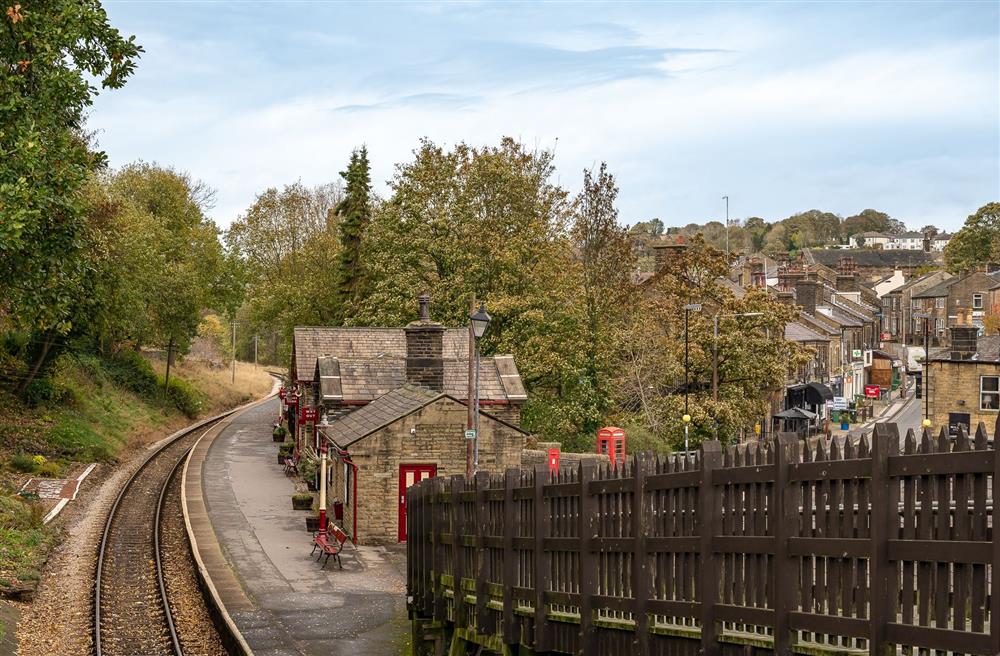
x=425, y=349
x=964, y=342
x=807, y=294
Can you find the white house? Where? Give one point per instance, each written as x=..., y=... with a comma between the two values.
x=869, y=240
x=908, y=241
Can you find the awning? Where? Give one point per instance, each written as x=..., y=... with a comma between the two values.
x=795, y=413
x=813, y=393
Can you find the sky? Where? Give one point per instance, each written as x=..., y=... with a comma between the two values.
x=783, y=107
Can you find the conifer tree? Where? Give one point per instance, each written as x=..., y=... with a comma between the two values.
x=354, y=212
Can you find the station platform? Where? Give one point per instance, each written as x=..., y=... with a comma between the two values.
x=257, y=553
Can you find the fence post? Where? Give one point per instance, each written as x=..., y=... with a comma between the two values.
x=458, y=566
x=588, y=563
x=708, y=583
x=482, y=483
x=884, y=525
x=786, y=510
x=543, y=639
x=641, y=584
x=995, y=565
x=438, y=519
x=510, y=479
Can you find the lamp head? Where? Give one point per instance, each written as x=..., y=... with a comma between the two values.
x=686, y=419
x=926, y=423
x=480, y=321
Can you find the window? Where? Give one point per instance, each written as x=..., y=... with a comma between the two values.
x=915, y=304
x=939, y=302
x=989, y=392
x=977, y=301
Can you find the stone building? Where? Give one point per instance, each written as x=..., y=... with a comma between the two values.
x=394, y=409
x=958, y=301
x=963, y=381
x=898, y=304
x=400, y=438
x=873, y=265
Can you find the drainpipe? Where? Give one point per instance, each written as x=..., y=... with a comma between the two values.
x=322, y=486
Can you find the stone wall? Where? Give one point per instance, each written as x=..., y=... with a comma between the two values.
x=954, y=387
x=432, y=435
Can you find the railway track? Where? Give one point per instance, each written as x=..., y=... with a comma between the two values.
x=144, y=570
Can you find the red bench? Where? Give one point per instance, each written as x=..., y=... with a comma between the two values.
x=291, y=466
x=330, y=543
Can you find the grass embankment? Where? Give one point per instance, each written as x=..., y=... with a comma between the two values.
x=89, y=410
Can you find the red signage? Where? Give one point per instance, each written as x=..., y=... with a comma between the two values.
x=886, y=337
x=282, y=393
x=291, y=400
x=553, y=460
x=873, y=391
x=307, y=414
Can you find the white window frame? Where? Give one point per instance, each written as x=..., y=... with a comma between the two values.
x=983, y=393
x=939, y=302
x=977, y=301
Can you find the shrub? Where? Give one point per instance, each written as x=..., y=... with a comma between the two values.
x=39, y=391
x=128, y=369
x=22, y=462
x=183, y=396
x=51, y=469
x=18, y=514
x=286, y=449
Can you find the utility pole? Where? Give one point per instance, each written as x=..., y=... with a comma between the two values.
x=234, y=352
x=727, y=228
x=255, y=338
x=470, y=423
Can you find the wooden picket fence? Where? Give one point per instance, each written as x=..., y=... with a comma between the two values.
x=874, y=548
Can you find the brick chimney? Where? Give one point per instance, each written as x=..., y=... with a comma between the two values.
x=807, y=294
x=964, y=342
x=785, y=297
x=425, y=349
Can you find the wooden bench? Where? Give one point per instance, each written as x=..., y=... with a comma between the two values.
x=330, y=543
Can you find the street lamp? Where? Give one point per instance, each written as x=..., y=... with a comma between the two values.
x=322, y=472
x=480, y=321
x=690, y=307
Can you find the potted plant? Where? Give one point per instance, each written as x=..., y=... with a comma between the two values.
x=285, y=451
x=308, y=468
x=279, y=433
x=312, y=523
x=302, y=501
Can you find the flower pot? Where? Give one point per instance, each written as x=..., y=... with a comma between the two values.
x=312, y=524
x=277, y=437
x=302, y=503
x=281, y=458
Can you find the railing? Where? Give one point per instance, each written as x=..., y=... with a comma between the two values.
x=742, y=550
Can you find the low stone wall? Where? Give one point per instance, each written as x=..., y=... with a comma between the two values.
x=530, y=458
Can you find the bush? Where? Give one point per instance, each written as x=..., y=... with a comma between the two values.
x=51, y=469
x=22, y=462
x=286, y=449
x=128, y=369
x=183, y=396
x=39, y=391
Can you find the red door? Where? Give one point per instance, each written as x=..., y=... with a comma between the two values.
x=408, y=475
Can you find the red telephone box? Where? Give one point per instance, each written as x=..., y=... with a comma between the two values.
x=553, y=460
x=611, y=443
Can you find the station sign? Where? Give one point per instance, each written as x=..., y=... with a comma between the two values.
x=282, y=393
x=873, y=391
x=470, y=434
x=291, y=400
x=840, y=403
x=308, y=414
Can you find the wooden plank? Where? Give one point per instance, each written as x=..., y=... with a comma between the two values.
x=587, y=562
x=673, y=543
x=744, y=614
x=963, y=642
x=641, y=588
x=884, y=442
x=481, y=481
x=830, y=469
x=785, y=508
x=458, y=552
x=995, y=565
x=561, y=490
x=711, y=459
x=673, y=480
x=745, y=544
x=852, y=627
x=959, y=462
x=674, y=608
x=543, y=633
x=941, y=551
x=829, y=547
x=508, y=631
x=744, y=474
x=440, y=526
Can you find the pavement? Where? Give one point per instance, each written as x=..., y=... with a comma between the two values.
x=296, y=608
x=905, y=413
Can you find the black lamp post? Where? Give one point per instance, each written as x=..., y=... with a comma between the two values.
x=480, y=320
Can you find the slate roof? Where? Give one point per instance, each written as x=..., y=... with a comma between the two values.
x=385, y=410
x=796, y=332
x=987, y=350
x=361, y=364
x=864, y=257
x=940, y=289
x=817, y=325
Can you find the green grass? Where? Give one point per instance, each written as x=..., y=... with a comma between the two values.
x=24, y=541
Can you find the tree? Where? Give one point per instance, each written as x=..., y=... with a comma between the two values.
x=978, y=242
x=354, y=213
x=49, y=55
x=871, y=221
x=757, y=228
x=930, y=230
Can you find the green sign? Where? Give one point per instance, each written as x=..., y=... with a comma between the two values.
x=470, y=434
